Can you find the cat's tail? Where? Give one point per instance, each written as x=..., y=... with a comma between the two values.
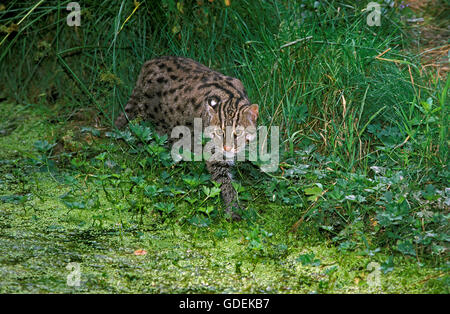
x=131, y=111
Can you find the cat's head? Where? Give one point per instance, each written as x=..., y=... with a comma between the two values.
x=231, y=129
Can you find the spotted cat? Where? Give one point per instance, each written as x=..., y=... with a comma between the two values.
x=173, y=91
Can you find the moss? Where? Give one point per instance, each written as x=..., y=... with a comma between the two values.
x=40, y=236
x=38, y=245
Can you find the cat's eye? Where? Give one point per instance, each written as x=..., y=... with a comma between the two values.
x=219, y=132
x=238, y=132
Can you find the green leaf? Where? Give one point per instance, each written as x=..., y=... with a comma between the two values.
x=214, y=192
x=101, y=156
x=207, y=210
x=430, y=193
x=143, y=133
x=238, y=187
x=347, y=246
x=314, y=193
x=427, y=105
x=206, y=190
x=151, y=190
x=88, y=129
x=200, y=222
x=388, y=265
x=308, y=260
x=14, y=199
x=43, y=146
x=406, y=247
x=165, y=207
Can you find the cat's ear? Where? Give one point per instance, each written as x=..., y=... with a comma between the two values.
x=210, y=104
x=252, y=112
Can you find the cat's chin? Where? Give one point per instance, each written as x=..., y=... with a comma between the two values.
x=229, y=155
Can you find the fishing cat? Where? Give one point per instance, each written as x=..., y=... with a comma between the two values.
x=172, y=91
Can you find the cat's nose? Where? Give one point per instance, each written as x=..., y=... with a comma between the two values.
x=227, y=148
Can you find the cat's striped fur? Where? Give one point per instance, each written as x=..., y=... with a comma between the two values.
x=172, y=91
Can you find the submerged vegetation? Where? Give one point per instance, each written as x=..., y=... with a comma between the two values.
x=359, y=203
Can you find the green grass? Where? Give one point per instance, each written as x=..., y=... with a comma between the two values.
x=363, y=175
x=44, y=228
